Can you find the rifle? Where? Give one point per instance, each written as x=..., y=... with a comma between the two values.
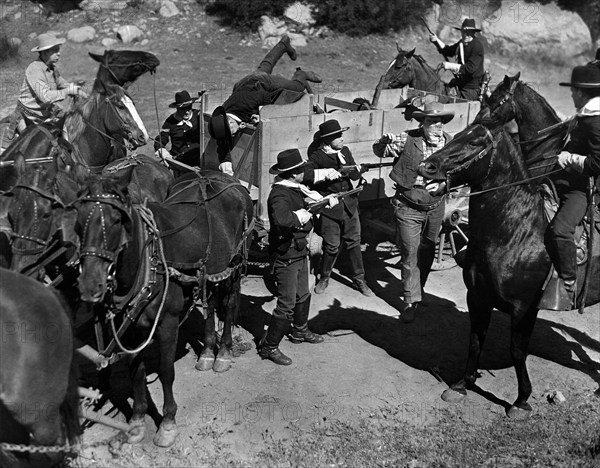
x=364, y=167
x=319, y=205
x=431, y=32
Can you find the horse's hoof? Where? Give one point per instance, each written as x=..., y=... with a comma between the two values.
x=137, y=431
x=166, y=435
x=205, y=363
x=453, y=396
x=519, y=414
x=222, y=364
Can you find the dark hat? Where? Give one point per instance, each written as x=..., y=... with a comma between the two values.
x=183, y=99
x=433, y=109
x=218, y=126
x=329, y=128
x=287, y=160
x=468, y=25
x=584, y=76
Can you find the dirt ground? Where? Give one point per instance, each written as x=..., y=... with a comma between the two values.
x=369, y=360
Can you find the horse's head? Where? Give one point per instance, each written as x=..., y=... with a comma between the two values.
x=400, y=72
x=126, y=123
x=123, y=67
x=35, y=214
x=500, y=107
x=104, y=228
x=464, y=160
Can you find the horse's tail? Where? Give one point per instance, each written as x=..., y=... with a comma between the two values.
x=69, y=409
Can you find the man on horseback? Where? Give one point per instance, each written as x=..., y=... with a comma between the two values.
x=341, y=223
x=290, y=224
x=43, y=91
x=581, y=159
x=469, y=51
x=257, y=89
x=419, y=204
x=182, y=128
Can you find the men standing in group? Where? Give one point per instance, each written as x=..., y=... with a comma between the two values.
x=182, y=129
x=257, y=89
x=341, y=223
x=43, y=88
x=468, y=70
x=290, y=223
x=419, y=203
x=581, y=159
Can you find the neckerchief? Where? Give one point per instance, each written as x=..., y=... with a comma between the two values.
x=591, y=108
x=312, y=194
x=329, y=150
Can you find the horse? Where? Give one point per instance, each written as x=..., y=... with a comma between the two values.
x=129, y=255
x=39, y=401
x=506, y=263
x=410, y=69
x=123, y=67
x=514, y=99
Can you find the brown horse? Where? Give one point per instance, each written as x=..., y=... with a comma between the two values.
x=506, y=262
x=129, y=256
x=410, y=69
x=38, y=401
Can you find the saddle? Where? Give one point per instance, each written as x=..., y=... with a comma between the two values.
x=554, y=295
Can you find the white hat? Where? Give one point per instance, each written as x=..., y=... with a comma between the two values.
x=47, y=41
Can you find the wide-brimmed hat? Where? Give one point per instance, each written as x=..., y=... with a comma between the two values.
x=218, y=126
x=433, y=109
x=287, y=160
x=584, y=76
x=183, y=99
x=468, y=25
x=47, y=41
x=329, y=128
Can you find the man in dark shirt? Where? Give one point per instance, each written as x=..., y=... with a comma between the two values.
x=182, y=129
x=581, y=159
x=257, y=89
x=468, y=70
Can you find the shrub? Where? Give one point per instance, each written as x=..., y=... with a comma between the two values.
x=362, y=17
x=7, y=48
x=245, y=14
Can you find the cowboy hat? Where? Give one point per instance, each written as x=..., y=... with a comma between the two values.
x=329, y=128
x=47, y=41
x=468, y=25
x=183, y=99
x=584, y=76
x=434, y=109
x=287, y=160
x=218, y=126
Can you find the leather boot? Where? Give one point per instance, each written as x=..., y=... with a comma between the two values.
x=358, y=271
x=269, y=345
x=285, y=41
x=565, y=262
x=300, y=331
x=304, y=77
x=327, y=263
x=270, y=60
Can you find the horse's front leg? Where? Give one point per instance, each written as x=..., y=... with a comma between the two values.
x=168, y=335
x=140, y=404
x=480, y=311
x=522, y=323
x=229, y=294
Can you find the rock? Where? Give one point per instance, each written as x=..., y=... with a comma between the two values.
x=168, y=9
x=102, y=5
x=144, y=42
x=32, y=36
x=129, y=33
x=15, y=42
x=271, y=28
x=297, y=40
x=556, y=397
x=300, y=14
x=83, y=34
x=108, y=42
x=544, y=32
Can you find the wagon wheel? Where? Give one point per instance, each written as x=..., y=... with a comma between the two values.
x=315, y=250
x=455, y=215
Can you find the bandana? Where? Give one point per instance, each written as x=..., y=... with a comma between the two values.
x=312, y=194
x=329, y=150
x=591, y=108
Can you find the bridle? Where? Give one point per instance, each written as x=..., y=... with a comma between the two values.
x=106, y=66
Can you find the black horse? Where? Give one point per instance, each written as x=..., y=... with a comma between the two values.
x=410, y=69
x=128, y=255
x=514, y=99
x=39, y=401
x=506, y=262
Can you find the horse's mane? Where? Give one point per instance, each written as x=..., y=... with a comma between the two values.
x=541, y=98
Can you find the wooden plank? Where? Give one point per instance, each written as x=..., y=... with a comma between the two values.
x=274, y=111
x=340, y=104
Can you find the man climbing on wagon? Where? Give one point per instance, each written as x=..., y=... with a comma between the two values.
x=291, y=222
x=257, y=89
x=342, y=223
x=419, y=203
x=469, y=52
x=581, y=159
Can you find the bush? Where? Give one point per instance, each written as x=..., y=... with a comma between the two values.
x=7, y=48
x=245, y=14
x=362, y=17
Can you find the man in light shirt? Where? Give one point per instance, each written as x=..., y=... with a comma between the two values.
x=419, y=203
